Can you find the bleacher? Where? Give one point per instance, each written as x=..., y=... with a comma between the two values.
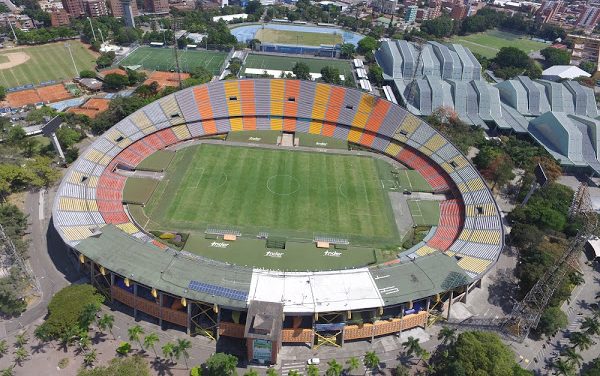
x=469, y=228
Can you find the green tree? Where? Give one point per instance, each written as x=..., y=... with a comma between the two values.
x=10, y=371
x=124, y=348
x=312, y=370
x=301, y=71
x=556, y=56
x=150, y=341
x=251, y=372
x=402, y=370
x=106, y=322
x=66, y=306
x=221, y=364
x=367, y=44
x=2, y=92
x=580, y=340
x=115, y=81
x=591, y=326
x=371, y=360
x=376, y=74
x=105, y=60
x=333, y=368
x=563, y=367
x=135, y=334
x=439, y=27
x=588, y=66
x=168, y=350
x=352, y=364
x=201, y=74
x=592, y=368
x=447, y=335
x=88, y=315
x=181, y=349
x=3, y=348
x=293, y=372
x=21, y=355
x=235, y=65
x=479, y=353
x=272, y=372
x=573, y=357
x=90, y=358
x=130, y=366
x=347, y=51
x=552, y=320
x=412, y=346
x=511, y=57
x=21, y=339
x=330, y=75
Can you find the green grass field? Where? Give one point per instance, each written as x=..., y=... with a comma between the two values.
x=297, y=37
x=294, y=194
x=157, y=161
x=162, y=59
x=490, y=42
x=286, y=63
x=424, y=213
x=46, y=62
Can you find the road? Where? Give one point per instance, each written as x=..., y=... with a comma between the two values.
x=42, y=258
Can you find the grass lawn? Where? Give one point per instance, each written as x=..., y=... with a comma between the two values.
x=413, y=181
x=157, y=161
x=162, y=59
x=297, y=37
x=294, y=194
x=490, y=42
x=46, y=62
x=138, y=190
x=424, y=213
x=286, y=63
x=255, y=137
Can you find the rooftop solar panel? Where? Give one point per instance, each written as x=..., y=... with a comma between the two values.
x=218, y=290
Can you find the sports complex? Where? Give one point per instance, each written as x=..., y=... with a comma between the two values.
x=271, y=212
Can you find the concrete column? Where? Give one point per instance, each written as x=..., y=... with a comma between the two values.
x=92, y=279
x=450, y=304
x=466, y=294
x=112, y=283
x=189, y=318
x=218, y=323
x=160, y=303
x=427, y=309
x=134, y=300
x=401, y=319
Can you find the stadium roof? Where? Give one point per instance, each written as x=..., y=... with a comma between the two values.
x=565, y=71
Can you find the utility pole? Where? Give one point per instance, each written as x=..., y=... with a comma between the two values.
x=13, y=31
x=174, y=24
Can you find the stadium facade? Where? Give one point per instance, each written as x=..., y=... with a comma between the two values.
x=450, y=76
x=264, y=309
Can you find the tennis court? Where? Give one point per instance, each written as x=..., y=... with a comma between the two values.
x=424, y=213
x=286, y=63
x=163, y=59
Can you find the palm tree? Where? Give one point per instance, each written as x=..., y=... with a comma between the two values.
x=352, y=364
x=84, y=342
x=21, y=339
x=149, y=341
x=580, y=340
x=181, y=348
x=563, y=368
x=168, y=350
x=135, y=333
x=591, y=326
x=412, y=346
x=90, y=357
x=3, y=348
x=573, y=357
x=334, y=368
x=371, y=360
x=10, y=371
x=577, y=279
x=312, y=370
x=87, y=316
x=21, y=354
x=106, y=323
x=447, y=335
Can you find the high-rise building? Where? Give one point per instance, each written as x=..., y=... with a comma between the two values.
x=410, y=13
x=95, y=8
x=74, y=7
x=156, y=6
x=585, y=48
x=117, y=8
x=128, y=13
x=589, y=18
x=58, y=17
x=459, y=11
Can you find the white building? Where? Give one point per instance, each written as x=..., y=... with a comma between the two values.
x=558, y=72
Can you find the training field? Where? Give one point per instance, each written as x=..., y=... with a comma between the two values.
x=424, y=213
x=163, y=59
x=293, y=194
x=286, y=63
x=35, y=64
x=490, y=42
x=297, y=37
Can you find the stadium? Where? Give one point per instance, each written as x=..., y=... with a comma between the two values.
x=275, y=243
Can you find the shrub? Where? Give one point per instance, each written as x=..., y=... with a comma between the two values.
x=196, y=371
x=124, y=348
x=167, y=235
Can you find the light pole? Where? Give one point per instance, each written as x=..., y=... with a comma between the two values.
x=92, y=27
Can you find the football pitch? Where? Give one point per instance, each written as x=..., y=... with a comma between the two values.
x=286, y=63
x=36, y=64
x=290, y=194
x=163, y=59
x=297, y=37
x=490, y=42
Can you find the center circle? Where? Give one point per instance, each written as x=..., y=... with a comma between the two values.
x=283, y=185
